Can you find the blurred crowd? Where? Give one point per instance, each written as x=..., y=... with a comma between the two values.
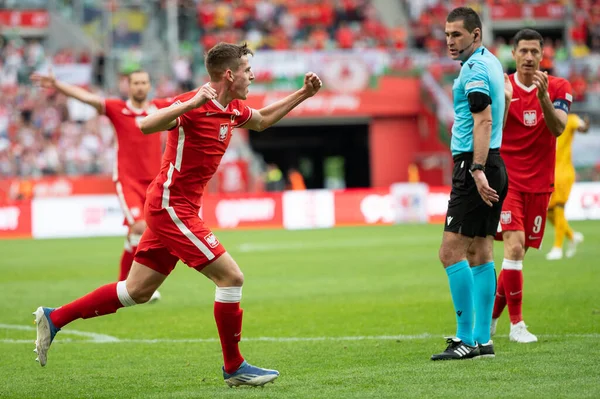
x=296, y=24
x=37, y=135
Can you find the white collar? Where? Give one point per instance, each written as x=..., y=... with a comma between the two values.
x=219, y=105
x=134, y=109
x=528, y=89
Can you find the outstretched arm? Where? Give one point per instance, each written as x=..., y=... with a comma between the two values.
x=584, y=125
x=48, y=81
x=166, y=118
x=271, y=114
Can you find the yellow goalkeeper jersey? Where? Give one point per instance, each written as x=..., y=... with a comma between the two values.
x=565, y=142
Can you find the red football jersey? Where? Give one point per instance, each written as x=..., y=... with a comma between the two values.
x=138, y=155
x=528, y=146
x=194, y=150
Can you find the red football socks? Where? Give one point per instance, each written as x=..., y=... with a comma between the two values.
x=500, y=302
x=229, y=324
x=102, y=301
x=513, y=288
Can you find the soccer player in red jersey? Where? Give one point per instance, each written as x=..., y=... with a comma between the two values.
x=131, y=174
x=537, y=115
x=200, y=127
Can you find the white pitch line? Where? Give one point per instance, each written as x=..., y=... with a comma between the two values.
x=103, y=339
x=94, y=336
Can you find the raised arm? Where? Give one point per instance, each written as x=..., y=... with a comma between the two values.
x=49, y=81
x=166, y=118
x=271, y=114
x=555, y=115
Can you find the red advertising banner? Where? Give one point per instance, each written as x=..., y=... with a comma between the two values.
x=12, y=189
x=395, y=96
x=363, y=206
x=552, y=11
x=15, y=220
x=31, y=19
x=227, y=211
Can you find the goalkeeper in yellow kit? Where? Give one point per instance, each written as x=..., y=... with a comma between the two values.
x=563, y=181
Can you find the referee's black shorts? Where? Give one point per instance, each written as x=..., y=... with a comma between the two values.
x=467, y=213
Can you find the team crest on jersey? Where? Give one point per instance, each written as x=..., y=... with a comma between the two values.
x=223, y=130
x=211, y=240
x=506, y=217
x=530, y=118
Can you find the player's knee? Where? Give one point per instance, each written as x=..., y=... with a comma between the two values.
x=234, y=278
x=138, y=227
x=139, y=293
x=449, y=256
x=474, y=258
x=514, y=249
x=135, y=233
x=141, y=296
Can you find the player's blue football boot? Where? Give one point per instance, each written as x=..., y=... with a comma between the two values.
x=46, y=331
x=247, y=374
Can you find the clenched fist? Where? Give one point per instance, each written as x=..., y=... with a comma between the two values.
x=312, y=84
x=203, y=95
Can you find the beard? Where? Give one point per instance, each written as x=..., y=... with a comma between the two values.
x=140, y=98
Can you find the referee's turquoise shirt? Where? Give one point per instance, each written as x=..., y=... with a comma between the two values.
x=482, y=72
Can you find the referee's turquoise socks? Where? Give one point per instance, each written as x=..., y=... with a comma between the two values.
x=461, y=282
x=484, y=277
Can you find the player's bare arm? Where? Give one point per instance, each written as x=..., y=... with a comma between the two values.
x=556, y=119
x=166, y=118
x=271, y=114
x=49, y=82
x=508, y=94
x=482, y=132
x=585, y=126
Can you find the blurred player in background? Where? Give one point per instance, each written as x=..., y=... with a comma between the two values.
x=479, y=184
x=539, y=105
x=138, y=156
x=200, y=125
x=563, y=181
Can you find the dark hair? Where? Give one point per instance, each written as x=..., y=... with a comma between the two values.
x=225, y=56
x=130, y=74
x=469, y=17
x=528, y=34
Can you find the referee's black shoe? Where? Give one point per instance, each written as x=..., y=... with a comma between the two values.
x=457, y=350
x=486, y=350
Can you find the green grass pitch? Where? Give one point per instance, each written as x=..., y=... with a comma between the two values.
x=341, y=313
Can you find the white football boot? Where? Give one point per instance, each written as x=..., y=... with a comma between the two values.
x=555, y=254
x=572, y=245
x=155, y=297
x=520, y=334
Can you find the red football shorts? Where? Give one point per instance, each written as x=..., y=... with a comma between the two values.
x=132, y=195
x=525, y=212
x=173, y=235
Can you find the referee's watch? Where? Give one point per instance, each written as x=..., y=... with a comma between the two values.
x=476, y=166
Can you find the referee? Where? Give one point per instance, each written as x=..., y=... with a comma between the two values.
x=479, y=185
